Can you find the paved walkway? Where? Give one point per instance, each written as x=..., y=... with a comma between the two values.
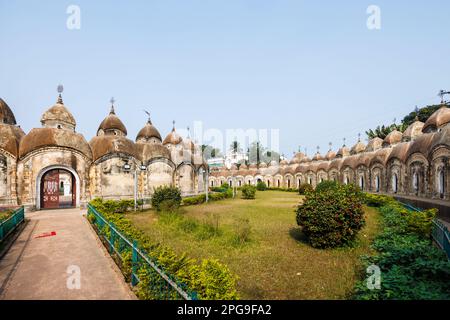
x=37, y=267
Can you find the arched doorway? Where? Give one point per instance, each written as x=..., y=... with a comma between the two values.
x=57, y=188
x=377, y=183
x=441, y=183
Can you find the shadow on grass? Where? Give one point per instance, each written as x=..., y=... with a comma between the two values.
x=298, y=235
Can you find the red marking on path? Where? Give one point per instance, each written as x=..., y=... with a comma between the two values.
x=46, y=234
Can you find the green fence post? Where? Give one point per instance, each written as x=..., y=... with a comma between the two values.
x=112, y=230
x=134, y=263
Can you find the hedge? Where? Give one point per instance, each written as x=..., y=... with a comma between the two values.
x=412, y=268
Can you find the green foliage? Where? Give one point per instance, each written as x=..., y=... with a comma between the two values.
x=190, y=201
x=113, y=206
x=326, y=185
x=209, y=279
x=305, y=188
x=333, y=217
x=248, y=192
x=282, y=189
x=166, y=198
x=376, y=200
x=411, y=267
x=225, y=186
x=261, y=186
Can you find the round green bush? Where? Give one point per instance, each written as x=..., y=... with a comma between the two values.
x=166, y=199
x=248, y=192
x=261, y=186
x=333, y=217
x=305, y=188
x=325, y=185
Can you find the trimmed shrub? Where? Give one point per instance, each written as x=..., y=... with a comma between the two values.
x=167, y=198
x=190, y=201
x=248, y=192
x=113, y=206
x=376, y=200
x=326, y=185
x=332, y=218
x=305, y=188
x=261, y=186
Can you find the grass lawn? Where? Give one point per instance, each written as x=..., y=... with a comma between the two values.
x=275, y=263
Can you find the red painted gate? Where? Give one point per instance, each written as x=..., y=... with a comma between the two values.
x=50, y=190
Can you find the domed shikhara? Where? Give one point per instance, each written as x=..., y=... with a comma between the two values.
x=173, y=138
x=393, y=138
x=39, y=138
x=374, y=144
x=437, y=120
x=6, y=115
x=149, y=133
x=112, y=125
x=413, y=131
x=108, y=144
x=317, y=157
x=10, y=137
x=343, y=152
x=150, y=151
x=358, y=148
x=58, y=116
x=330, y=155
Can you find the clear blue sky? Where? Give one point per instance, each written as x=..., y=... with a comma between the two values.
x=309, y=68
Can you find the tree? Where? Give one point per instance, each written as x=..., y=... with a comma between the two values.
x=210, y=152
x=235, y=147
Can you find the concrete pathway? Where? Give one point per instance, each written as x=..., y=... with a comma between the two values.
x=40, y=265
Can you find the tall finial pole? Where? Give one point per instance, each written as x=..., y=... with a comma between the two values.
x=359, y=137
x=344, y=142
x=60, y=90
x=189, y=132
x=149, y=121
x=318, y=149
x=173, y=124
x=442, y=94
x=330, y=144
x=112, y=105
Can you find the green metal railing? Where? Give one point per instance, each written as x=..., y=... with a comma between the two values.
x=135, y=262
x=11, y=223
x=439, y=232
x=441, y=236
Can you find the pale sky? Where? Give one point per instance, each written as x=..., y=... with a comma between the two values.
x=311, y=69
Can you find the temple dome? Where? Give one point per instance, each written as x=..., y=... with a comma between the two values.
x=52, y=137
x=317, y=157
x=437, y=120
x=374, y=144
x=343, y=152
x=413, y=131
x=148, y=132
x=10, y=136
x=393, y=138
x=6, y=114
x=109, y=144
x=58, y=116
x=330, y=155
x=173, y=138
x=359, y=147
x=149, y=151
x=112, y=125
